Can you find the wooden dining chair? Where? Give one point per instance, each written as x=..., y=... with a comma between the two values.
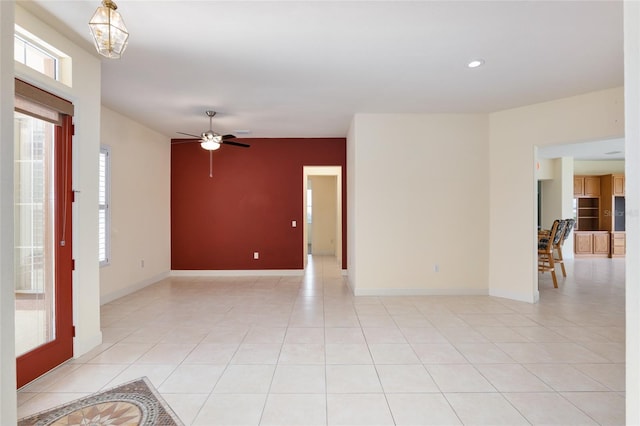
x=546, y=244
x=568, y=227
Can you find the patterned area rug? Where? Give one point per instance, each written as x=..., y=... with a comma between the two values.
x=136, y=403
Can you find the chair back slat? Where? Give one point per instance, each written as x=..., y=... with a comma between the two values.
x=559, y=231
x=570, y=223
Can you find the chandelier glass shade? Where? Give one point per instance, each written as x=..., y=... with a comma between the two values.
x=109, y=32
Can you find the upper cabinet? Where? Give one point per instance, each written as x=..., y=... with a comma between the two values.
x=618, y=185
x=586, y=186
x=578, y=186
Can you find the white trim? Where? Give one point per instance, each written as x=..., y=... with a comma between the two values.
x=308, y=171
x=522, y=297
x=87, y=343
x=106, y=298
x=237, y=273
x=420, y=292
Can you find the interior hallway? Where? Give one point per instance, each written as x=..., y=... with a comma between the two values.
x=304, y=350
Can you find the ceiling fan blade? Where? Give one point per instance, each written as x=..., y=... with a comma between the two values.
x=243, y=145
x=181, y=141
x=189, y=134
x=224, y=137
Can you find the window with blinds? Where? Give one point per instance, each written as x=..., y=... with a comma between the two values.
x=104, y=216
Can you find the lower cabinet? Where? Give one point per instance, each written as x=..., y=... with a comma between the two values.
x=583, y=242
x=591, y=243
x=618, y=244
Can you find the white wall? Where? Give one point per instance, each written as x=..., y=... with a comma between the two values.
x=353, y=210
x=514, y=136
x=140, y=206
x=557, y=193
x=551, y=198
x=324, y=208
x=308, y=229
x=8, y=402
x=581, y=167
x=545, y=169
x=418, y=197
x=85, y=95
x=632, y=197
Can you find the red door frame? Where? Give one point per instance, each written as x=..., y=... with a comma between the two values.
x=44, y=358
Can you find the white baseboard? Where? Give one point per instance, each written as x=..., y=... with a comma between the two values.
x=238, y=273
x=528, y=298
x=132, y=288
x=419, y=292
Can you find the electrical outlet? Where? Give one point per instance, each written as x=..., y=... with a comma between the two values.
x=294, y=224
x=256, y=255
x=436, y=268
x=142, y=263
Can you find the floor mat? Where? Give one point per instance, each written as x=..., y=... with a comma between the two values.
x=135, y=403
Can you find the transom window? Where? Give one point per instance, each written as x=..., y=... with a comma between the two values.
x=40, y=56
x=34, y=57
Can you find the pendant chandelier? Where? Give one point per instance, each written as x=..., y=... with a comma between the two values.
x=109, y=32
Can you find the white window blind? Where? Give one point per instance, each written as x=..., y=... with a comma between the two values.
x=104, y=216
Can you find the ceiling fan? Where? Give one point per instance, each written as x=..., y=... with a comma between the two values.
x=211, y=140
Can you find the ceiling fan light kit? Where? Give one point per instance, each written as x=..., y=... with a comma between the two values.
x=210, y=139
x=109, y=33
x=210, y=145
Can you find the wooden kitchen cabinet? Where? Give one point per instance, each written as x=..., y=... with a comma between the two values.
x=591, y=186
x=618, y=185
x=586, y=186
x=583, y=242
x=600, y=211
x=618, y=244
x=601, y=243
x=578, y=186
x=593, y=243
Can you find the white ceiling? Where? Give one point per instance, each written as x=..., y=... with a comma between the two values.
x=611, y=149
x=304, y=68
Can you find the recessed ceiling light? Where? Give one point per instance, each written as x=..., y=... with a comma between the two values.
x=475, y=63
x=613, y=152
x=242, y=131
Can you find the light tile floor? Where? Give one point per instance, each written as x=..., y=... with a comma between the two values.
x=305, y=351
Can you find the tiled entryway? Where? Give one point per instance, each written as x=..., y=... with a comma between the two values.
x=305, y=351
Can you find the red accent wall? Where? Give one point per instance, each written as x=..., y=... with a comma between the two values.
x=248, y=204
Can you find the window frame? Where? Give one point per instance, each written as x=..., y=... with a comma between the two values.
x=28, y=42
x=105, y=152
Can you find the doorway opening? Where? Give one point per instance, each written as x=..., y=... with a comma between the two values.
x=322, y=207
